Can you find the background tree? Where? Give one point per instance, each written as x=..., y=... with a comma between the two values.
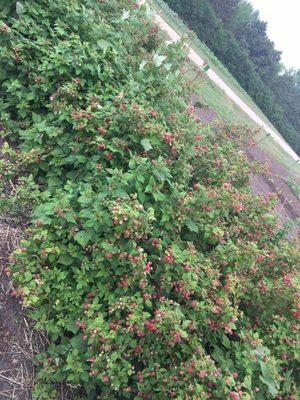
x=234, y=31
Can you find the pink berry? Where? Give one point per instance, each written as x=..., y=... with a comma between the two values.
x=227, y=185
x=234, y=396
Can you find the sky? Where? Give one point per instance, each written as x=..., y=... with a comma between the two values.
x=283, y=18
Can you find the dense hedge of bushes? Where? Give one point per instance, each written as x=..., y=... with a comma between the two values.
x=153, y=270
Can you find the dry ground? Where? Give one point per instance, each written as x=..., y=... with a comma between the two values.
x=287, y=208
x=16, y=330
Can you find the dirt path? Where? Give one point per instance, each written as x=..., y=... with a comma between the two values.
x=16, y=337
x=229, y=92
x=16, y=352
x=287, y=207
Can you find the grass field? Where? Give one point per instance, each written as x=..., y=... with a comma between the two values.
x=212, y=96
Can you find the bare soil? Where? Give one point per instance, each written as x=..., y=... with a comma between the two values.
x=17, y=335
x=16, y=351
x=206, y=115
x=287, y=208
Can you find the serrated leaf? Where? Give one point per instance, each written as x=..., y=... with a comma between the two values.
x=269, y=381
x=168, y=66
x=218, y=231
x=19, y=8
x=159, y=196
x=158, y=60
x=226, y=342
x=85, y=376
x=142, y=65
x=121, y=193
x=192, y=226
x=246, y=397
x=91, y=393
x=77, y=343
x=103, y=44
x=140, y=178
x=71, y=326
x=126, y=15
x=3, y=74
x=33, y=300
x=146, y=144
x=148, y=303
x=82, y=237
x=65, y=259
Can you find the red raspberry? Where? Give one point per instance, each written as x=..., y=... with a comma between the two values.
x=234, y=396
x=101, y=146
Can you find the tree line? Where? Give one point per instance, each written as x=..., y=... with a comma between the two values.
x=233, y=30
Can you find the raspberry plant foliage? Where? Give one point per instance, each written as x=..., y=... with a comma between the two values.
x=154, y=271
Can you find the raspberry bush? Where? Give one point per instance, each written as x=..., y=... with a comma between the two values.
x=154, y=271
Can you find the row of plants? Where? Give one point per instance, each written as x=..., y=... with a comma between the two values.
x=153, y=270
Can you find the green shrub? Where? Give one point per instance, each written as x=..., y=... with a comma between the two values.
x=153, y=270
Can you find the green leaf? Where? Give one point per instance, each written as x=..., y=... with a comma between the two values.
x=3, y=74
x=71, y=326
x=91, y=393
x=192, y=226
x=148, y=303
x=246, y=397
x=103, y=45
x=146, y=144
x=77, y=343
x=226, y=342
x=158, y=60
x=36, y=118
x=19, y=8
x=85, y=376
x=140, y=178
x=142, y=65
x=218, y=231
x=121, y=193
x=70, y=218
x=82, y=237
x=65, y=259
x=126, y=15
x=159, y=196
x=33, y=300
x=269, y=381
